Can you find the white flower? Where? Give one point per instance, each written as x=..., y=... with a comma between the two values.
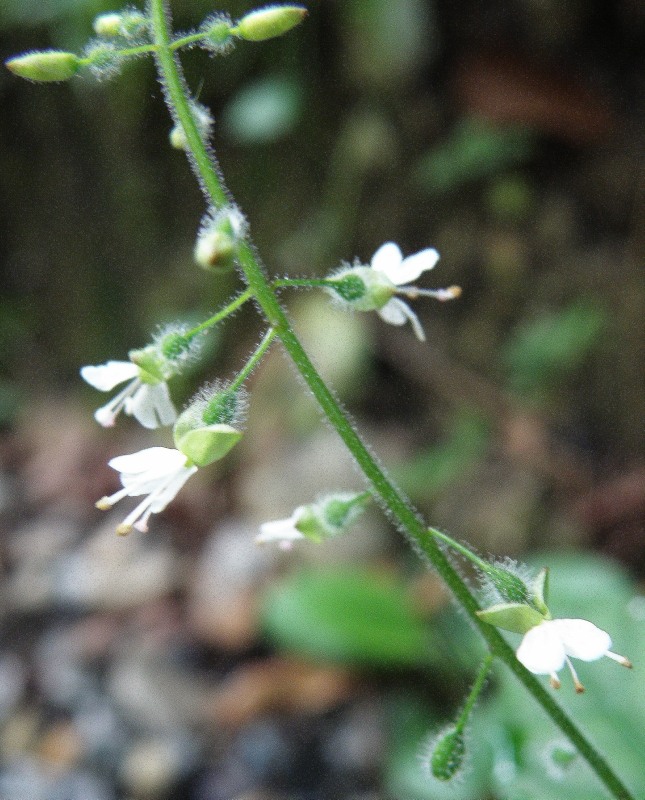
x=389, y=275
x=158, y=472
x=548, y=646
x=149, y=403
x=282, y=531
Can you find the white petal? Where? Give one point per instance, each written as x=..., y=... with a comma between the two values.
x=582, y=639
x=169, y=493
x=396, y=312
x=414, y=266
x=151, y=405
x=164, y=405
x=542, y=651
x=280, y=530
x=106, y=376
x=387, y=260
x=157, y=459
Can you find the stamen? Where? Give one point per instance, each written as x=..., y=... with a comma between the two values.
x=413, y=292
x=107, y=414
x=123, y=529
x=554, y=681
x=103, y=504
x=576, y=681
x=624, y=662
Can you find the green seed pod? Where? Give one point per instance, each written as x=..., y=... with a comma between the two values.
x=45, y=66
x=448, y=754
x=269, y=22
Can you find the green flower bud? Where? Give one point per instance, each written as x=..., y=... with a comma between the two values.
x=269, y=22
x=218, y=239
x=108, y=24
x=128, y=23
x=448, y=754
x=45, y=66
x=203, y=120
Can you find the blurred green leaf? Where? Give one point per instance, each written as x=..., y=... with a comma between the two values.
x=388, y=42
x=436, y=468
x=475, y=150
x=263, y=111
x=347, y=615
x=544, y=350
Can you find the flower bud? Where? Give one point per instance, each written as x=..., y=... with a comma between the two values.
x=209, y=427
x=203, y=120
x=269, y=22
x=448, y=753
x=107, y=25
x=45, y=65
x=218, y=239
x=128, y=24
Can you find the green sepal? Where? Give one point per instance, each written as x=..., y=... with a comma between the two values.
x=310, y=525
x=206, y=444
x=150, y=365
x=515, y=617
x=540, y=591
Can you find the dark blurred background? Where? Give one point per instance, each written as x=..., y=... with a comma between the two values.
x=507, y=134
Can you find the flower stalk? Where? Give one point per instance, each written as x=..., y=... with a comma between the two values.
x=389, y=496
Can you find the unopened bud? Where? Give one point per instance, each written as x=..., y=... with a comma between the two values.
x=203, y=121
x=218, y=239
x=448, y=753
x=45, y=66
x=128, y=23
x=269, y=22
x=107, y=24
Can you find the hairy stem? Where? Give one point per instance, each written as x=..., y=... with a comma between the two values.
x=407, y=518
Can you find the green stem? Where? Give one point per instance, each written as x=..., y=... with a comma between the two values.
x=391, y=499
x=308, y=283
x=465, y=552
x=254, y=360
x=220, y=315
x=462, y=719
